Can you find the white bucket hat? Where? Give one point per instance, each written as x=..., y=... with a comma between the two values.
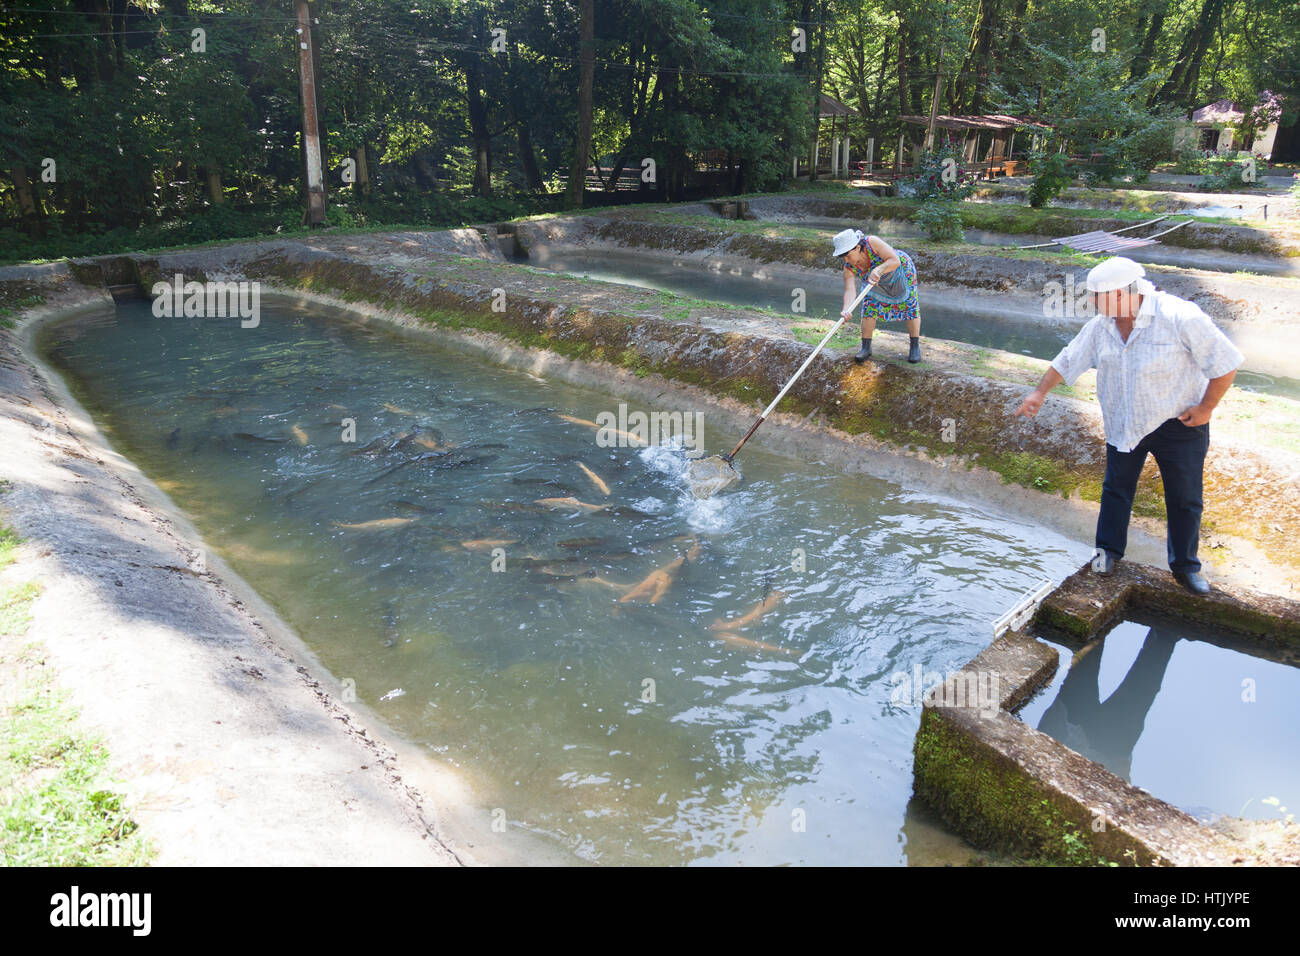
x=1118, y=272
x=846, y=240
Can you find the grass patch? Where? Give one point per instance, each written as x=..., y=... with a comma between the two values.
x=9, y=310
x=812, y=333
x=57, y=807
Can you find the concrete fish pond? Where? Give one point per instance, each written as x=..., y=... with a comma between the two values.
x=638, y=675
x=403, y=458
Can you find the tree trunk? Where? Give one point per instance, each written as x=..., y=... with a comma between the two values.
x=586, y=70
x=478, y=129
x=1181, y=85
x=213, y=177
x=28, y=208
x=1141, y=64
x=363, y=170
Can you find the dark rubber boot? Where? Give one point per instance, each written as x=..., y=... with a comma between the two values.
x=863, y=353
x=914, y=353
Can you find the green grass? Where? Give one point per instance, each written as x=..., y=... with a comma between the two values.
x=846, y=338
x=57, y=805
x=8, y=311
x=56, y=808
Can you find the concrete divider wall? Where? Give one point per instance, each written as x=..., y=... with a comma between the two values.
x=1005, y=785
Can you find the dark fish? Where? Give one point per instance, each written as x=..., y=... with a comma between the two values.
x=412, y=508
x=560, y=487
x=581, y=544
x=289, y=499
x=391, y=633
x=491, y=444
x=174, y=438
x=460, y=462
x=516, y=506
x=622, y=511
x=245, y=436
x=558, y=567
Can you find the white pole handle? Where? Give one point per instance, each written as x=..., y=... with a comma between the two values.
x=808, y=361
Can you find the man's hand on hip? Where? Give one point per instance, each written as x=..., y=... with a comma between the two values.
x=1196, y=415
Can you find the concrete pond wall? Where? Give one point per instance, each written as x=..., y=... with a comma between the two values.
x=1001, y=783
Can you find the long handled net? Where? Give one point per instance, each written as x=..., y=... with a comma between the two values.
x=707, y=476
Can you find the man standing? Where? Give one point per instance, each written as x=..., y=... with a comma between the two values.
x=1162, y=367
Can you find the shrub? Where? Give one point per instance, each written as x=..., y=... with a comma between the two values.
x=1224, y=174
x=940, y=174
x=1189, y=160
x=1051, y=176
x=941, y=220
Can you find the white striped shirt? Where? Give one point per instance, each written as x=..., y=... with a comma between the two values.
x=1162, y=371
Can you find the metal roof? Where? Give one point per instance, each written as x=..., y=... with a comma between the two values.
x=833, y=107
x=991, y=121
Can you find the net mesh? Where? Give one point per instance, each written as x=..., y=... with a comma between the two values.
x=707, y=476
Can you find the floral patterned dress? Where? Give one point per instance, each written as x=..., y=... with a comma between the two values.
x=894, y=299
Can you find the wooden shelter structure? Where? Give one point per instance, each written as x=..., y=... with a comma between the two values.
x=831, y=147
x=987, y=142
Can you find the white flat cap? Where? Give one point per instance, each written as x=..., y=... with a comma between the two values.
x=846, y=240
x=1116, y=272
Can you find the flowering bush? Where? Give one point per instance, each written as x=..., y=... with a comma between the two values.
x=940, y=175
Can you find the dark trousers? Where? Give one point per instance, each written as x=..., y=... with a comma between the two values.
x=1180, y=453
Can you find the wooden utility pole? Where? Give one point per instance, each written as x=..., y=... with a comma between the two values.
x=573, y=196
x=310, y=124
x=934, y=103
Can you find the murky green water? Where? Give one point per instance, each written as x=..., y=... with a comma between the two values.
x=1010, y=332
x=1183, y=713
x=621, y=731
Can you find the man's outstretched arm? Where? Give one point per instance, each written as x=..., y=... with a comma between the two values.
x=1034, y=400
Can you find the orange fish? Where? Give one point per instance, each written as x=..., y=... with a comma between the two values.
x=595, y=478
x=569, y=504
x=487, y=544
x=751, y=645
x=759, y=610
x=374, y=525
x=655, y=584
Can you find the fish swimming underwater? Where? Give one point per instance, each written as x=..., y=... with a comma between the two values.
x=375, y=525
x=410, y=507
x=595, y=478
x=299, y=435
x=487, y=544
x=768, y=603
x=582, y=544
x=626, y=436
x=739, y=641
x=568, y=504
x=654, y=585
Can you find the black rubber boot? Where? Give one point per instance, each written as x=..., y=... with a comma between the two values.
x=914, y=353
x=863, y=353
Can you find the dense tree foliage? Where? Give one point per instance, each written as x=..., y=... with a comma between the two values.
x=131, y=114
